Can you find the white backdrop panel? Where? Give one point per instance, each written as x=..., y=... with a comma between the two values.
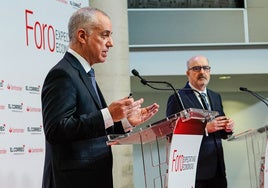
x=34, y=37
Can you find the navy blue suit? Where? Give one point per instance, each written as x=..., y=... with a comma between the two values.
x=211, y=159
x=76, y=151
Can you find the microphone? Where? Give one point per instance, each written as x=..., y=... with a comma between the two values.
x=136, y=73
x=262, y=129
x=261, y=98
x=146, y=82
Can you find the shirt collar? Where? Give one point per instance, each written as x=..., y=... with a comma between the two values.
x=83, y=62
x=204, y=91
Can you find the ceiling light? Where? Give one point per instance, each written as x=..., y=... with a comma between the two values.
x=224, y=77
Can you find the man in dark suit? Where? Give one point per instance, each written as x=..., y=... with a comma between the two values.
x=75, y=115
x=210, y=168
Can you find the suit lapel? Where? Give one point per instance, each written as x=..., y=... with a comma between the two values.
x=84, y=77
x=189, y=98
x=194, y=100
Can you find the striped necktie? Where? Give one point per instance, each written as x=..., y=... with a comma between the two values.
x=204, y=101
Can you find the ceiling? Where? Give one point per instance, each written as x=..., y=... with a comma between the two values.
x=253, y=82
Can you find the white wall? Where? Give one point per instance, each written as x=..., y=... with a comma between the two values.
x=223, y=61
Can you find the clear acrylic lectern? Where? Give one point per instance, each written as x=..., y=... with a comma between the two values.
x=156, y=141
x=256, y=143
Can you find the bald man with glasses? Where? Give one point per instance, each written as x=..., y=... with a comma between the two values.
x=211, y=167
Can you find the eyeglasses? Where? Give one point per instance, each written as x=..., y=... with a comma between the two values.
x=198, y=68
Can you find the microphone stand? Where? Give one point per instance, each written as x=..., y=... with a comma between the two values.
x=146, y=82
x=261, y=98
x=176, y=94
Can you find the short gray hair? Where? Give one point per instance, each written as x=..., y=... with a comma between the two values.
x=83, y=18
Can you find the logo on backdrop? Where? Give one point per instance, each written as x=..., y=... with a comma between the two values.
x=2, y=107
x=3, y=151
x=2, y=128
x=75, y=4
x=29, y=88
x=33, y=109
x=15, y=130
x=72, y=3
x=17, y=150
x=63, y=1
x=14, y=87
x=44, y=36
x=180, y=162
x=32, y=150
x=15, y=107
x=1, y=84
x=35, y=130
x=33, y=89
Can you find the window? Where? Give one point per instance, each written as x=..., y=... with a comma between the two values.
x=185, y=3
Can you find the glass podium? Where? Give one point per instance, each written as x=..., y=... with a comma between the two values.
x=164, y=141
x=256, y=143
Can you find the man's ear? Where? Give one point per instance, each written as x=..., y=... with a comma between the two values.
x=187, y=73
x=81, y=35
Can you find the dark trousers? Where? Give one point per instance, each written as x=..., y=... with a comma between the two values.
x=216, y=182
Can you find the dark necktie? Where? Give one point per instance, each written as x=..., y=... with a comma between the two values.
x=204, y=101
x=91, y=74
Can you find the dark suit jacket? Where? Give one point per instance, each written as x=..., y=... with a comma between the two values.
x=211, y=159
x=76, y=151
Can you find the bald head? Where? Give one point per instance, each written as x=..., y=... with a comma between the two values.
x=197, y=58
